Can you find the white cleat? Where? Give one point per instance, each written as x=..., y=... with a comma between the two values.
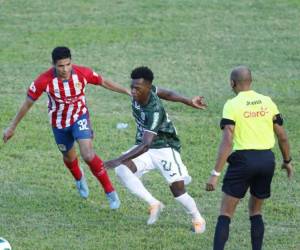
x=199, y=226
x=155, y=211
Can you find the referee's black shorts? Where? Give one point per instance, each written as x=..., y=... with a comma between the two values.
x=249, y=168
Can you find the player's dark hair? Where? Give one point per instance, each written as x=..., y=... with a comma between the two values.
x=59, y=53
x=142, y=72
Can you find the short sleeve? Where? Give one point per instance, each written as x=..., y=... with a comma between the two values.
x=228, y=116
x=154, y=89
x=92, y=77
x=273, y=108
x=228, y=111
x=277, y=117
x=36, y=88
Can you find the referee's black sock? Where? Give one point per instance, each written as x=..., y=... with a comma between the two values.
x=257, y=231
x=222, y=232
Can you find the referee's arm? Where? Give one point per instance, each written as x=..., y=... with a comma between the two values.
x=284, y=148
x=225, y=149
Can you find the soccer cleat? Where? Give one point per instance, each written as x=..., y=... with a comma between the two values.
x=82, y=187
x=199, y=226
x=114, y=201
x=155, y=211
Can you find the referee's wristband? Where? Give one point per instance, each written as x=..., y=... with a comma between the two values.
x=287, y=161
x=215, y=173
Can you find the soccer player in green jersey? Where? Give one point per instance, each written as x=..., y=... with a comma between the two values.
x=157, y=147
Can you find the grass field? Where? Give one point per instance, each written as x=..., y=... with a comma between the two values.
x=191, y=46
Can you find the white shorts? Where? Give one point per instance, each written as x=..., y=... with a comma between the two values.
x=167, y=161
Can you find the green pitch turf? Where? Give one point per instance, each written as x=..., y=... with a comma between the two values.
x=191, y=46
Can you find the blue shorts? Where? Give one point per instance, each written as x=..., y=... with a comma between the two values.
x=66, y=137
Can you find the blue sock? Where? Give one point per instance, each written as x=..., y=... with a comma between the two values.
x=221, y=232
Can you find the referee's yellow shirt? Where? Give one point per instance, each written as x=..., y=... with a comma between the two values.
x=252, y=114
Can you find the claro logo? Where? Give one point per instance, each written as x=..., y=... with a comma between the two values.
x=253, y=114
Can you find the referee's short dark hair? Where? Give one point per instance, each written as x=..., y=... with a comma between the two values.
x=59, y=53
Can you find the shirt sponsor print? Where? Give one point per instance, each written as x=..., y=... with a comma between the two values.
x=256, y=114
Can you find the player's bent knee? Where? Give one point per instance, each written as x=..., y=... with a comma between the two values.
x=177, y=188
x=118, y=170
x=124, y=175
x=88, y=156
x=68, y=158
x=131, y=166
x=122, y=171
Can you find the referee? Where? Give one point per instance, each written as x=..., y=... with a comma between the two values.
x=248, y=123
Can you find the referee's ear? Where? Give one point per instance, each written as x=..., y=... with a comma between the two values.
x=232, y=83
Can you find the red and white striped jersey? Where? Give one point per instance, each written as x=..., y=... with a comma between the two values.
x=66, y=98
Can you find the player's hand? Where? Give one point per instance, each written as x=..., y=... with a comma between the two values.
x=128, y=91
x=111, y=164
x=198, y=102
x=289, y=169
x=212, y=183
x=8, y=133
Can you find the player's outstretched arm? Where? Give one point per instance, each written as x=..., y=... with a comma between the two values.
x=169, y=95
x=9, y=131
x=225, y=149
x=133, y=153
x=284, y=148
x=115, y=87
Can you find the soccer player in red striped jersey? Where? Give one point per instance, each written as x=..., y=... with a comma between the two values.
x=65, y=84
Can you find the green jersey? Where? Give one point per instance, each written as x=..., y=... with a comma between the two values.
x=152, y=117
